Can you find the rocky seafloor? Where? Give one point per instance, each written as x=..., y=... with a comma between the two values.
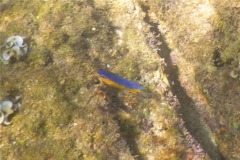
x=184, y=53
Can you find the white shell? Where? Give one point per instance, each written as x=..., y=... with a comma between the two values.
x=17, y=50
x=7, y=54
x=6, y=121
x=233, y=74
x=17, y=40
x=6, y=107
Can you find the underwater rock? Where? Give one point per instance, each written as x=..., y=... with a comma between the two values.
x=15, y=47
x=7, y=108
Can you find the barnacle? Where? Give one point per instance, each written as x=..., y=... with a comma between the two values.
x=14, y=46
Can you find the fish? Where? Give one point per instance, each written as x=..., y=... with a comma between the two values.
x=119, y=82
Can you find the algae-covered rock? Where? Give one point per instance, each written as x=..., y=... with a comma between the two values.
x=165, y=46
x=204, y=39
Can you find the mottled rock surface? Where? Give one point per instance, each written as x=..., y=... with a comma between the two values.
x=177, y=50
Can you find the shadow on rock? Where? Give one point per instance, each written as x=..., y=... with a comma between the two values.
x=187, y=109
